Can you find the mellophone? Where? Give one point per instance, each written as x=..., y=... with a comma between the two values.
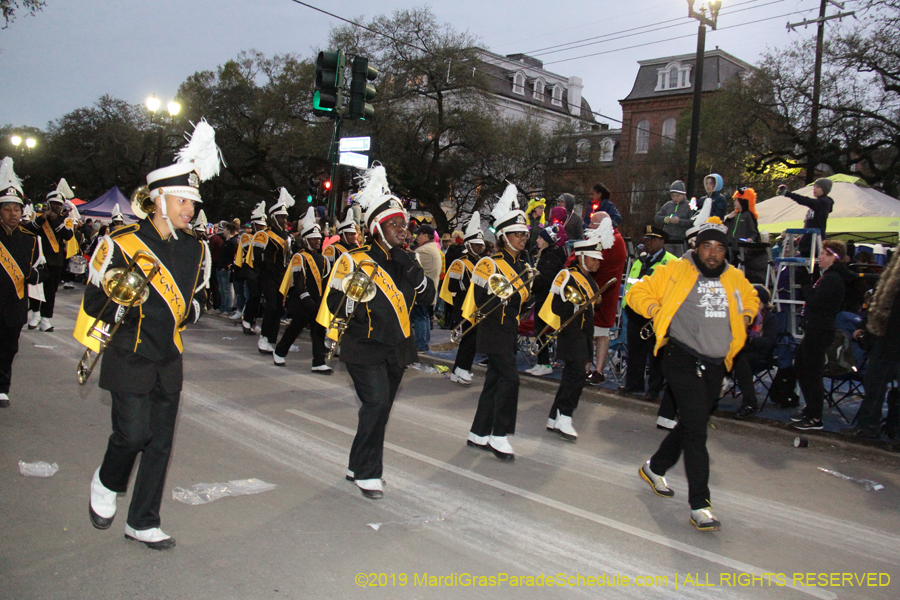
x=571, y=294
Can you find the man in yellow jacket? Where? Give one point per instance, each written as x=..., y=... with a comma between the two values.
x=700, y=307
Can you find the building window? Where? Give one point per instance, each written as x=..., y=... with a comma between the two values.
x=607, y=150
x=557, y=96
x=538, y=90
x=637, y=197
x=673, y=76
x=584, y=151
x=642, y=137
x=668, y=131
x=519, y=84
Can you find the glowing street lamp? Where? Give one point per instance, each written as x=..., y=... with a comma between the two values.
x=153, y=103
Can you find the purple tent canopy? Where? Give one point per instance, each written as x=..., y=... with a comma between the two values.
x=102, y=207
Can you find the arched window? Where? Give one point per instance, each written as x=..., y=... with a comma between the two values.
x=673, y=78
x=642, y=137
x=607, y=150
x=519, y=84
x=584, y=150
x=538, y=90
x=668, y=131
x=557, y=96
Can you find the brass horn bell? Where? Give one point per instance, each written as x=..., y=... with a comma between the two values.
x=141, y=203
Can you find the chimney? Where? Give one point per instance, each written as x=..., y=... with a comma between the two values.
x=574, y=92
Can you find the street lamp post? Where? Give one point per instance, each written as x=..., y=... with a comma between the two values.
x=153, y=105
x=17, y=141
x=713, y=6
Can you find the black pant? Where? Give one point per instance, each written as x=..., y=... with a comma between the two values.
x=51, y=284
x=9, y=346
x=299, y=320
x=272, y=312
x=543, y=357
x=376, y=385
x=880, y=372
x=499, y=400
x=742, y=369
x=809, y=364
x=465, y=356
x=141, y=423
x=639, y=352
x=694, y=396
x=574, y=377
x=251, y=306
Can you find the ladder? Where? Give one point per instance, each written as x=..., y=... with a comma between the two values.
x=782, y=278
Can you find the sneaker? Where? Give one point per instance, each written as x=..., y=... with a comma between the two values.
x=257, y=329
x=294, y=348
x=541, y=370
x=551, y=423
x=799, y=416
x=727, y=382
x=33, y=319
x=855, y=432
x=237, y=316
x=68, y=286
x=154, y=538
x=704, y=520
x=323, y=370
x=657, y=482
x=478, y=441
x=744, y=412
x=4, y=401
x=808, y=424
x=264, y=346
x=596, y=378
x=248, y=329
x=501, y=448
x=564, y=428
x=279, y=360
x=461, y=376
x=46, y=325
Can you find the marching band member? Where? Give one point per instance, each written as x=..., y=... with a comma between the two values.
x=378, y=342
x=23, y=264
x=117, y=220
x=574, y=343
x=246, y=267
x=302, y=291
x=498, y=333
x=453, y=292
x=272, y=248
x=349, y=239
x=142, y=365
x=55, y=229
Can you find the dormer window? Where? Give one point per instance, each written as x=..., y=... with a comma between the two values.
x=674, y=76
x=556, y=99
x=538, y=90
x=519, y=84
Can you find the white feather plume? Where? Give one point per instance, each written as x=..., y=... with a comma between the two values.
x=116, y=212
x=309, y=220
x=201, y=222
x=507, y=203
x=604, y=234
x=73, y=211
x=704, y=213
x=8, y=177
x=373, y=186
x=63, y=188
x=285, y=199
x=201, y=150
x=474, y=226
x=259, y=212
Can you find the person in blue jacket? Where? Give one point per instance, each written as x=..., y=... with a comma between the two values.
x=713, y=184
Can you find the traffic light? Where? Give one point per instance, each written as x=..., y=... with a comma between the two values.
x=329, y=96
x=312, y=187
x=361, y=91
x=326, y=185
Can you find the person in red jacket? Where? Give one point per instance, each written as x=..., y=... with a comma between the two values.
x=611, y=267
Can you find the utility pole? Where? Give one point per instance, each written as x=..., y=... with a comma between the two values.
x=813, y=146
x=700, y=15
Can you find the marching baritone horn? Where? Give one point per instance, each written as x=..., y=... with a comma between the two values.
x=126, y=286
x=358, y=287
x=499, y=287
x=140, y=201
x=571, y=294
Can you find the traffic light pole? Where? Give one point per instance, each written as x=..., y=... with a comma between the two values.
x=332, y=158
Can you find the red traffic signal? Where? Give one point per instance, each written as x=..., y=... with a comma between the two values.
x=326, y=185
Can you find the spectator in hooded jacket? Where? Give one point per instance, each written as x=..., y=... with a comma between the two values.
x=600, y=193
x=820, y=206
x=675, y=217
x=713, y=185
x=574, y=224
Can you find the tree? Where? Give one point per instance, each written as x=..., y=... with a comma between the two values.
x=9, y=9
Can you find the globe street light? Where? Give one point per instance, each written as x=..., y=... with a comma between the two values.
x=30, y=142
x=713, y=6
x=153, y=103
x=16, y=140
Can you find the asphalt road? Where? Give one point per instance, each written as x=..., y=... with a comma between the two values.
x=454, y=523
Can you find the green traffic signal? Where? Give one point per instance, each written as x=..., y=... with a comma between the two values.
x=361, y=91
x=309, y=199
x=329, y=95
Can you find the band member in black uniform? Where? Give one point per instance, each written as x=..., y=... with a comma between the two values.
x=302, y=290
x=20, y=265
x=378, y=342
x=272, y=248
x=498, y=332
x=453, y=292
x=55, y=229
x=142, y=365
x=349, y=239
x=574, y=343
x=247, y=270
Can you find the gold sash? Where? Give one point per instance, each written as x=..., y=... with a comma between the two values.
x=314, y=269
x=51, y=235
x=274, y=236
x=484, y=269
x=12, y=269
x=510, y=274
x=546, y=313
x=458, y=267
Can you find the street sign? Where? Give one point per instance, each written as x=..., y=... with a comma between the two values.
x=360, y=161
x=357, y=144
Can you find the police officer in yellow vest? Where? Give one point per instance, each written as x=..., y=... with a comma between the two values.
x=302, y=288
x=378, y=342
x=142, y=366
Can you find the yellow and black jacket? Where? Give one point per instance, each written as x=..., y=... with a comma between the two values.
x=243, y=258
x=55, y=236
x=380, y=329
x=332, y=252
x=574, y=343
x=19, y=258
x=457, y=280
x=303, y=282
x=270, y=248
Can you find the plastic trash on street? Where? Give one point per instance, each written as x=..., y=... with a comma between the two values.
x=204, y=493
x=38, y=469
x=867, y=483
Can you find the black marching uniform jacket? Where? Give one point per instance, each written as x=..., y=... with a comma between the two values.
x=18, y=254
x=54, y=235
x=499, y=331
x=304, y=282
x=270, y=248
x=332, y=252
x=575, y=342
x=148, y=344
x=381, y=328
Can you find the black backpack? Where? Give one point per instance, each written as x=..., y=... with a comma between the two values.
x=784, y=388
x=839, y=359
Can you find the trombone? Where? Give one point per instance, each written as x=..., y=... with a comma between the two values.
x=503, y=289
x=359, y=287
x=126, y=286
x=572, y=294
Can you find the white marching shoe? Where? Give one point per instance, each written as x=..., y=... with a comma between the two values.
x=237, y=316
x=102, y=507
x=540, y=370
x=461, y=376
x=501, y=448
x=279, y=360
x=264, y=346
x=153, y=538
x=33, y=319
x=564, y=427
x=46, y=325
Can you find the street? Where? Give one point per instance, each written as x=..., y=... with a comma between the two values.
x=563, y=520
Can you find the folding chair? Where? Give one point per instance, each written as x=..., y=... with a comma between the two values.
x=617, y=358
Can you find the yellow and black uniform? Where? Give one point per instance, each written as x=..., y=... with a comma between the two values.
x=270, y=248
x=246, y=274
x=497, y=336
x=55, y=234
x=574, y=344
x=302, y=287
x=456, y=284
x=332, y=252
x=19, y=259
x=378, y=342
x=142, y=366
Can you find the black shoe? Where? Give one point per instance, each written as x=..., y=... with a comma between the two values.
x=4, y=402
x=372, y=494
x=247, y=330
x=596, y=378
x=98, y=521
x=160, y=545
x=799, y=416
x=860, y=434
x=808, y=424
x=744, y=412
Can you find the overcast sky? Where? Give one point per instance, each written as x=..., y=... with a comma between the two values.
x=70, y=54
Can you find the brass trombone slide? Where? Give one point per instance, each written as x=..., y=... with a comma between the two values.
x=127, y=287
x=358, y=287
x=499, y=287
x=536, y=346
